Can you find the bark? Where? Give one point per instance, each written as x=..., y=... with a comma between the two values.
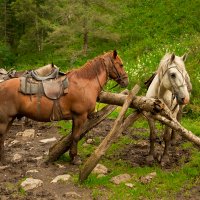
x=175, y=125
x=96, y=156
x=115, y=132
x=151, y=105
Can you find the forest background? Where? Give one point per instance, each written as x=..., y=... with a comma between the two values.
x=68, y=33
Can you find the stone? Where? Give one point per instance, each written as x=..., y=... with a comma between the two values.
x=48, y=140
x=13, y=143
x=148, y=178
x=130, y=185
x=90, y=141
x=120, y=178
x=64, y=177
x=100, y=169
x=73, y=195
x=28, y=133
x=32, y=171
x=17, y=158
x=31, y=183
x=4, y=167
x=38, y=158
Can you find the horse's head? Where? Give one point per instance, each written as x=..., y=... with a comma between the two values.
x=176, y=78
x=116, y=70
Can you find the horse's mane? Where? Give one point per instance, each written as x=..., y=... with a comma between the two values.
x=91, y=68
x=165, y=61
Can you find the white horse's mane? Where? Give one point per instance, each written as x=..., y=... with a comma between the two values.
x=166, y=60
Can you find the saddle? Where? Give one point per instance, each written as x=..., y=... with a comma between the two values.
x=46, y=81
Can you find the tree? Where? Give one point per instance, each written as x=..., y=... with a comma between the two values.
x=85, y=19
x=32, y=16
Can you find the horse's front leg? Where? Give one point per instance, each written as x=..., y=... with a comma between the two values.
x=150, y=157
x=167, y=140
x=78, y=122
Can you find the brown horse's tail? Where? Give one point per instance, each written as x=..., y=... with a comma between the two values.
x=149, y=81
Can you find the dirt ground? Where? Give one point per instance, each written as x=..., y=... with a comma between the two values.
x=32, y=150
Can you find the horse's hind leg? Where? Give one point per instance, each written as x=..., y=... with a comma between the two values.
x=150, y=157
x=78, y=123
x=3, y=130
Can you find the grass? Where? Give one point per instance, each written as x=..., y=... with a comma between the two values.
x=166, y=185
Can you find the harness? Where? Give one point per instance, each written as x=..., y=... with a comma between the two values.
x=118, y=76
x=172, y=84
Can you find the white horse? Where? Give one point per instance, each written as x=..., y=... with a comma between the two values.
x=171, y=84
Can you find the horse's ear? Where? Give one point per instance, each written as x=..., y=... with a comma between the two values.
x=114, y=54
x=184, y=57
x=172, y=57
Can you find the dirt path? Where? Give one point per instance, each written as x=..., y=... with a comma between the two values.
x=33, y=154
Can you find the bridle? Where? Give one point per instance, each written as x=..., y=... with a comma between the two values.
x=172, y=84
x=118, y=76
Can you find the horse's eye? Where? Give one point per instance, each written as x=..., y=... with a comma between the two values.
x=121, y=65
x=173, y=75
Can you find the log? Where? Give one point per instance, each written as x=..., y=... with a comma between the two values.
x=64, y=143
x=115, y=132
x=154, y=106
x=140, y=103
x=175, y=125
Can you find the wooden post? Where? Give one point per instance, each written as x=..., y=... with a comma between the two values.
x=115, y=132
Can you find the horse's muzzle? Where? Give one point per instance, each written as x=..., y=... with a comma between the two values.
x=182, y=101
x=124, y=82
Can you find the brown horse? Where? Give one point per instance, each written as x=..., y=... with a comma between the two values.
x=85, y=84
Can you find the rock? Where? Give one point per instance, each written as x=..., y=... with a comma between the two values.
x=4, y=167
x=39, y=134
x=13, y=143
x=53, y=139
x=85, y=144
x=101, y=175
x=28, y=133
x=64, y=177
x=31, y=183
x=32, y=171
x=73, y=195
x=38, y=158
x=130, y=185
x=17, y=158
x=120, y=178
x=90, y=141
x=60, y=166
x=147, y=179
x=143, y=143
x=100, y=169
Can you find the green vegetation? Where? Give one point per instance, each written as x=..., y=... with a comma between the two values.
x=68, y=33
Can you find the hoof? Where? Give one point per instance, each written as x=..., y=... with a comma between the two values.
x=77, y=160
x=150, y=159
x=164, y=160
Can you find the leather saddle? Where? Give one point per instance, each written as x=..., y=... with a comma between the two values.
x=47, y=81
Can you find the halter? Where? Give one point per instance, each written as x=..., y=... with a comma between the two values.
x=173, y=90
x=118, y=76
